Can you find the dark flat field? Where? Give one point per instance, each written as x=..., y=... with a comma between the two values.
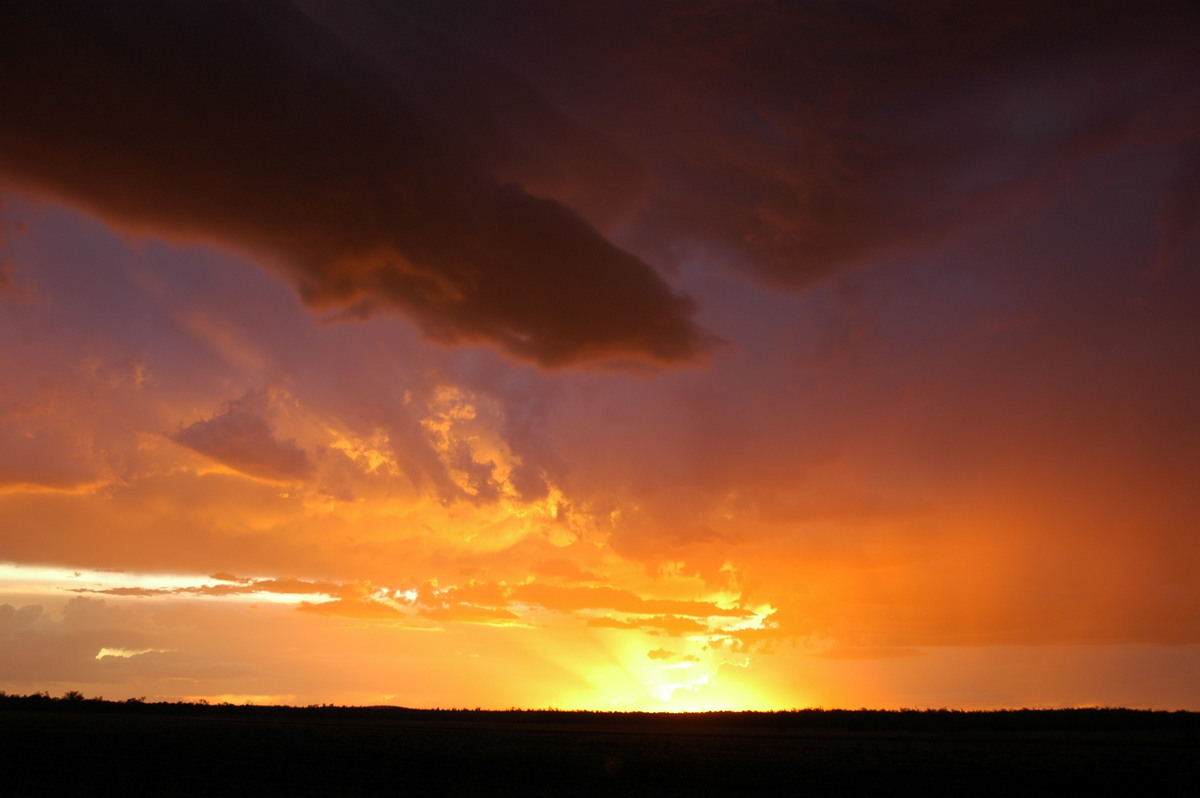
x=100, y=748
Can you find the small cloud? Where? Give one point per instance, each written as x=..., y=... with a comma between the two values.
x=128, y=653
x=223, y=577
x=242, y=439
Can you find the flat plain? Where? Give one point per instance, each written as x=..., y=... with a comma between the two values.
x=56, y=747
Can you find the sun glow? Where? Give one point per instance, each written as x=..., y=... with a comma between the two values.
x=17, y=578
x=632, y=670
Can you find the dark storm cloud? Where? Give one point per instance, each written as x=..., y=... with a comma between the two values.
x=488, y=168
x=1180, y=214
x=799, y=138
x=375, y=173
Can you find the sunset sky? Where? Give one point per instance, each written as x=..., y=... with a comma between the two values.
x=731, y=354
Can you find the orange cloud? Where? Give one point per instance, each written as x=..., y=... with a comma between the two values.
x=467, y=613
x=667, y=624
x=609, y=598
x=363, y=609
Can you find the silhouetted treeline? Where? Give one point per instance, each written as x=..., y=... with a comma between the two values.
x=1097, y=719
x=138, y=747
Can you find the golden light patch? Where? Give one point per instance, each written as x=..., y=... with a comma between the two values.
x=372, y=453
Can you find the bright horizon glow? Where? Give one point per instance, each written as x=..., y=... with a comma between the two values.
x=26, y=579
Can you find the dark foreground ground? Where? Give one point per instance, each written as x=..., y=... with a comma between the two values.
x=56, y=747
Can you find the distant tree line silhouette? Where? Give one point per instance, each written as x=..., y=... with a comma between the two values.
x=1097, y=719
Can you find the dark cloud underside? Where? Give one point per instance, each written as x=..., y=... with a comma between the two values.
x=489, y=169
x=373, y=178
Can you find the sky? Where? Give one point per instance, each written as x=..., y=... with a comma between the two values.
x=668, y=356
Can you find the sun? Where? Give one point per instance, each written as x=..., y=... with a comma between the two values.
x=634, y=672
